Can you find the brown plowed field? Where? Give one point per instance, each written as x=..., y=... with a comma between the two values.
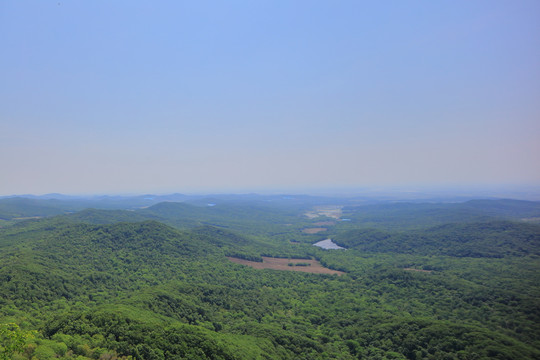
x=283, y=264
x=313, y=230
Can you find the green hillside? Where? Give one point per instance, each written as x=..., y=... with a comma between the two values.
x=485, y=239
x=403, y=215
x=102, y=284
x=13, y=208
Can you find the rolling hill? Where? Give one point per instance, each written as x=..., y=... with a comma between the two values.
x=155, y=283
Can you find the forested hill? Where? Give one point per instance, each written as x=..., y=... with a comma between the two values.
x=406, y=215
x=505, y=208
x=373, y=211
x=485, y=239
x=247, y=218
x=102, y=217
x=13, y=208
x=17, y=207
x=54, y=259
x=115, y=284
x=54, y=272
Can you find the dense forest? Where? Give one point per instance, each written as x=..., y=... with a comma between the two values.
x=149, y=278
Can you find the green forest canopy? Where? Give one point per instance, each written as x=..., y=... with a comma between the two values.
x=155, y=283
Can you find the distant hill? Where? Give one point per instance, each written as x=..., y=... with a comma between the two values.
x=17, y=207
x=404, y=215
x=99, y=216
x=505, y=208
x=207, y=209
x=484, y=239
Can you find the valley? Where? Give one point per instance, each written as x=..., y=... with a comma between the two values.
x=242, y=280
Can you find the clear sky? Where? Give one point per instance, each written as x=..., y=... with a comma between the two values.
x=194, y=96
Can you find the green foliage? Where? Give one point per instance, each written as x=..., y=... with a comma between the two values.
x=101, y=285
x=12, y=340
x=16, y=207
x=486, y=239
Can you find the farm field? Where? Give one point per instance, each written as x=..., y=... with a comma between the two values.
x=314, y=267
x=313, y=230
x=331, y=211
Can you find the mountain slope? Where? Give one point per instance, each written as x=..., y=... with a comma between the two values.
x=12, y=208
x=485, y=239
x=150, y=291
x=59, y=263
x=408, y=216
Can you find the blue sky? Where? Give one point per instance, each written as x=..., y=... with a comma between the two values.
x=163, y=96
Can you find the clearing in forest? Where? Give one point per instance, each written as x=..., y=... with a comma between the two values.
x=331, y=211
x=314, y=266
x=313, y=230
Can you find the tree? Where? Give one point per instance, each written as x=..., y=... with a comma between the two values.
x=12, y=340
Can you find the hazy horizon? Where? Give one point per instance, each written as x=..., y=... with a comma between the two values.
x=136, y=97
x=531, y=193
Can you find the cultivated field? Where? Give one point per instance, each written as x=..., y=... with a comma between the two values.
x=313, y=230
x=331, y=211
x=283, y=264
